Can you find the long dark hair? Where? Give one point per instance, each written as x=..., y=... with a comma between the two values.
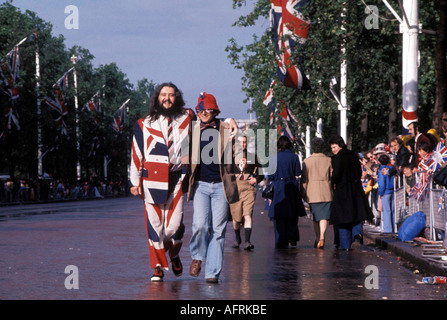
x=155, y=110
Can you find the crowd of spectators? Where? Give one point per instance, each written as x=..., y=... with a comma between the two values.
x=405, y=160
x=28, y=190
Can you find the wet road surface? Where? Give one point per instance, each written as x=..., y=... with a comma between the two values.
x=106, y=241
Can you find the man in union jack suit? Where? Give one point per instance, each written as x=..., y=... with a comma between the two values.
x=159, y=164
x=160, y=150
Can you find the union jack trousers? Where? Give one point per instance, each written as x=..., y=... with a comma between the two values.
x=161, y=179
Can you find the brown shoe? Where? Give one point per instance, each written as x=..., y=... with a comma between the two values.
x=212, y=280
x=195, y=268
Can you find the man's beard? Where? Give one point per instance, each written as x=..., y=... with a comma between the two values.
x=172, y=111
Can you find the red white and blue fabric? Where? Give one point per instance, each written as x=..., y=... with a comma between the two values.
x=284, y=116
x=118, y=119
x=150, y=168
x=150, y=155
x=290, y=30
x=426, y=167
x=58, y=106
x=59, y=112
x=94, y=104
x=269, y=102
x=9, y=73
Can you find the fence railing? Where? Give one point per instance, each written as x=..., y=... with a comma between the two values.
x=434, y=206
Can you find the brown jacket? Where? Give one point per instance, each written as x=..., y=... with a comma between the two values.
x=316, y=179
x=228, y=179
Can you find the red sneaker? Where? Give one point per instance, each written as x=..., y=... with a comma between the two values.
x=158, y=275
x=177, y=267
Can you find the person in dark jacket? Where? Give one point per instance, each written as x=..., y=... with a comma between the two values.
x=349, y=206
x=287, y=204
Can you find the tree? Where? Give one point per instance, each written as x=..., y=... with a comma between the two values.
x=374, y=69
x=18, y=153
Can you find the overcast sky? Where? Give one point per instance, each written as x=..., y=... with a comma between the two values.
x=182, y=41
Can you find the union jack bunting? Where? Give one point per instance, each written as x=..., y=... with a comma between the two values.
x=62, y=83
x=290, y=30
x=9, y=73
x=269, y=101
x=59, y=113
x=284, y=115
x=58, y=106
x=426, y=167
x=94, y=104
x=119, y=118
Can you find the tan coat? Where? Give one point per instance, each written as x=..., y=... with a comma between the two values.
x=316, y=179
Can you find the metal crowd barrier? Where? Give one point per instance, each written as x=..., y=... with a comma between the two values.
x=434, y=207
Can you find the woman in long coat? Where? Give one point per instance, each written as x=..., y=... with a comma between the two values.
x=349, y=205
x=287, y=204
x=317, y=188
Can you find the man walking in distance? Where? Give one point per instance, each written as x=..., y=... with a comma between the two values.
x=245, y=167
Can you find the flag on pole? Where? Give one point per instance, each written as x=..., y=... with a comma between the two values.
x=269, y=101
x=58, y=106
x=94, y=147
x=290, y=30
x=59, y=112
x=94, y=104
x=119, y=118
x=281, y=118
x=9, y=73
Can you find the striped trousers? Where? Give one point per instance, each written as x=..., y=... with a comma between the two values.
x=164, y=226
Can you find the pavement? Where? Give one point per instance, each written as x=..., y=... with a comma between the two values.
x=428, y=258
x=105, y=240
x=424, y=257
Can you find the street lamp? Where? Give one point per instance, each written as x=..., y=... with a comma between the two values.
x=78, y=142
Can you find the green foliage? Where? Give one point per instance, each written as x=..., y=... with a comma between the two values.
x=18, y=153
x=374, y=68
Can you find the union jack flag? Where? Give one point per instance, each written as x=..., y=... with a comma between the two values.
x=269, y=102
x=150, y=156
x=59, y=112
x=119, y=118
x=59, y=109
x=426, y=167
x=290, y=30
x=284, y=115
x=9, y=73
x=94, y=104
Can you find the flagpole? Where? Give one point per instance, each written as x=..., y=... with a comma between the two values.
x=343, y=82
x=39, y=124
x=78, y=142
x=410, y=49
